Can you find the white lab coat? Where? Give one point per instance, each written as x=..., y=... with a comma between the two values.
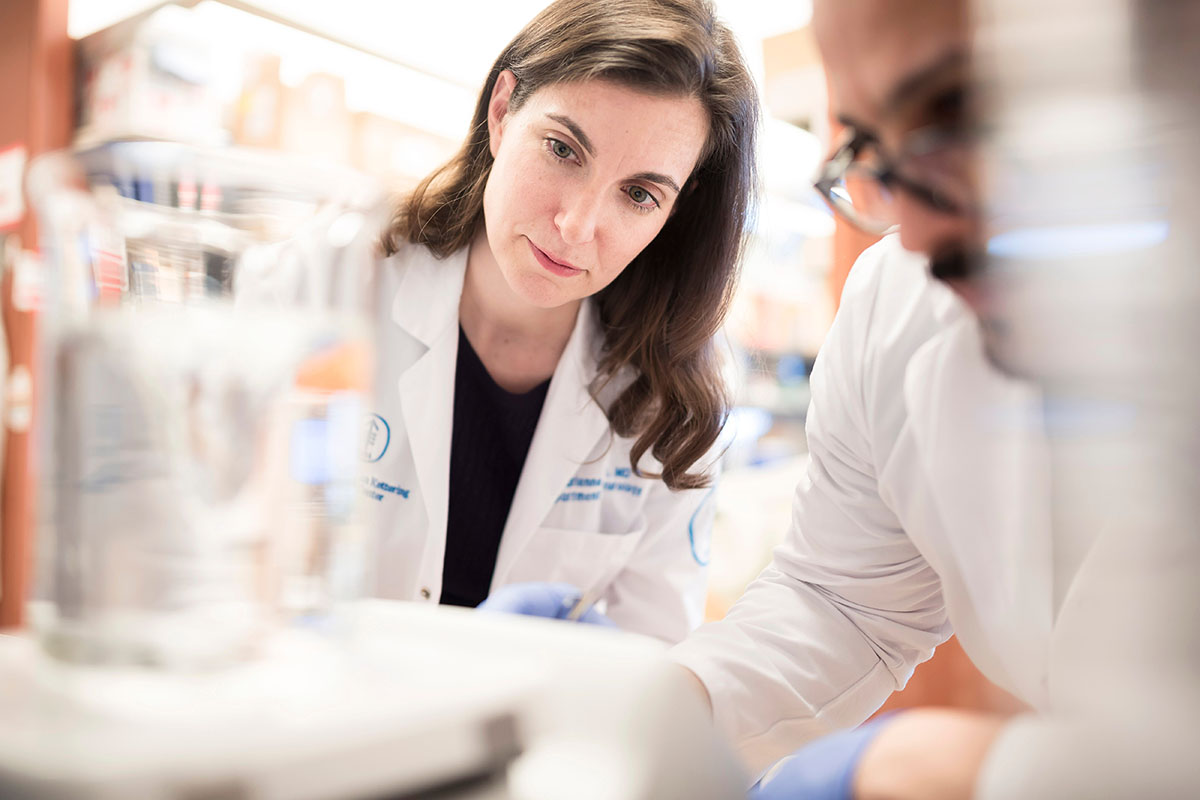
x=924, y=510
x=579, y=515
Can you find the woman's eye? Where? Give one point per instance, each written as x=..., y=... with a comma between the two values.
x=640, y=196
x=561, y=150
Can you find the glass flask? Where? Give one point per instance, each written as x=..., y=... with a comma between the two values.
x=204, y=357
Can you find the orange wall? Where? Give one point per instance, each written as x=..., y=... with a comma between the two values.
x=36, y=71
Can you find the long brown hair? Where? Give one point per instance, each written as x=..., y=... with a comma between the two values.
x=659, y=316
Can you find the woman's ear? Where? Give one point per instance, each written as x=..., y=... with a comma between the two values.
x=497, y=114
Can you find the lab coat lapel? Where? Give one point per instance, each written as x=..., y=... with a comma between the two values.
x=571, y=425
x=426, y=309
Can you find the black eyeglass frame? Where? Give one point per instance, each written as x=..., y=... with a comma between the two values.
x=845, y=158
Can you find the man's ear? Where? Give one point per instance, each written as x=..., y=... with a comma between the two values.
x=497, y=114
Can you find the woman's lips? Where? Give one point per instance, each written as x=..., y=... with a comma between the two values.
x=550, y=265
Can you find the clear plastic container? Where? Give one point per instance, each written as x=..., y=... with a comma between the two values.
x=204, y=357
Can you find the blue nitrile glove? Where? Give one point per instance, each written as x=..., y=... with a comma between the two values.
x=536, y=599
x=823, y=770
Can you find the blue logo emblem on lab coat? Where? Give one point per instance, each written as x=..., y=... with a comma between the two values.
x=702, y=543
x=376, y=438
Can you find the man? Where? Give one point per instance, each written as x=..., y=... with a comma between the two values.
x=897, y=528
x=925, y=509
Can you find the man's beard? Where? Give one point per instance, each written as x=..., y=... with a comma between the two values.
x=961, y=267
x=956, y=264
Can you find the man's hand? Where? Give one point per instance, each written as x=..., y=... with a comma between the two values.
x=931, y=754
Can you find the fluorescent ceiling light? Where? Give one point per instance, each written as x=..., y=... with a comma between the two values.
x=1078, y=241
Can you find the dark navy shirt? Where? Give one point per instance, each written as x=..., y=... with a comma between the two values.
x=488, y=444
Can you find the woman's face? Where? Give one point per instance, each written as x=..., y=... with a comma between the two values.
x=585, y=176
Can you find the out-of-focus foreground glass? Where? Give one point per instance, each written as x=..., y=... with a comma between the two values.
x=205, y=354
x=1093, y=292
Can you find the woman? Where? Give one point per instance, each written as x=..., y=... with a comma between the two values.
x=548, y=387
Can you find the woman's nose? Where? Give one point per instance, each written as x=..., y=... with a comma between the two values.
x=578, y=216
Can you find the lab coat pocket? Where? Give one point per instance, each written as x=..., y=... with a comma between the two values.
x=586, y=559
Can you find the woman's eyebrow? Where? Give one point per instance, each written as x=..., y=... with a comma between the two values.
x=659, y=178
x=575, y=130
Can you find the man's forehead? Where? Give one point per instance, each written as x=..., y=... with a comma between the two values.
x=874, y=48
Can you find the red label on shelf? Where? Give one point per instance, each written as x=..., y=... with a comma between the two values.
x=12, y=171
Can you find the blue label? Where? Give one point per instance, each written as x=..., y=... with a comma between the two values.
x=377, y=489
x=376, y=438
x=578, y=497
x=702, y=545
x=582, y=490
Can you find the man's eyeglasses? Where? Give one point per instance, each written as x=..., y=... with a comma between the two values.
x=859, y=180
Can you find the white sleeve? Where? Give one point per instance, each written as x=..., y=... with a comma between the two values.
x=848, y=606
x=661, y=589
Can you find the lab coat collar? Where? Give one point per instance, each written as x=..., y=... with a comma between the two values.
x=427, y=299
x=947, y=307
x=425, y=310
x=571, y=425
x=945, y=304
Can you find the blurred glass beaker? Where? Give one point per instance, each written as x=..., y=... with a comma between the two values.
x=204, y=357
